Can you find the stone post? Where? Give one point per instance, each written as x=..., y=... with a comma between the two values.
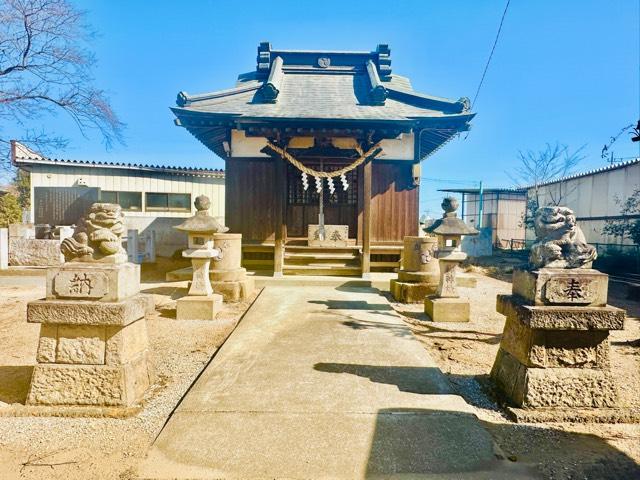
x=4, y=248
x=553, y=361
x=151, y=246
x=228, y=278
x=132, y=246
x=93, y=347
x=418, y=276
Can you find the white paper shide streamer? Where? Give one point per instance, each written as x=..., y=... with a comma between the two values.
x=305, y=181
x=318, y=184
x=345, y=184
x=332, y=187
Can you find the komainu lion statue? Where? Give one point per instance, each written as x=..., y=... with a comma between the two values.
x=98, y=237
x=559, y=241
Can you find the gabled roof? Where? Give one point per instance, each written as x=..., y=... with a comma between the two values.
x=335, y=88
x=23, y=156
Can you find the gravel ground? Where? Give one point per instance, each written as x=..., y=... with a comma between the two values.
x=465, y=352
x=84, y=448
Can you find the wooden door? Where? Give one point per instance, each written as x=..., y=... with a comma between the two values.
x=303, y=206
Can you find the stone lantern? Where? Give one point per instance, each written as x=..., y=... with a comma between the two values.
x=200, y=303
x=446, y=305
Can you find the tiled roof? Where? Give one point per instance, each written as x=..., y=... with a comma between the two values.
x=23, y=156
x=325, y=90
x=323, y=96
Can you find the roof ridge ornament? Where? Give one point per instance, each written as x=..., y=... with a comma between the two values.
x=264, y=57
x=378, y=92
x=271, y=88
x=384, y=61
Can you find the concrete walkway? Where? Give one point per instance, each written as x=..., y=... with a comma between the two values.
x=321, y=382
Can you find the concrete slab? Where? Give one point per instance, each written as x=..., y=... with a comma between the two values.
x=320, y=382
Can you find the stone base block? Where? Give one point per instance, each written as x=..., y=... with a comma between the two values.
x=235, y=291
x=558, y=286
x=92, y=344
x=555, y=348
x=93, y=281
x=552, y=387
x=94, y=385
x=574, y=415
x=235, y=275
x=335, y=236
x=431, y=278
x=88, y=312
x=198, y=307
x=447, y=309
x=561, y=317
x=406, y=292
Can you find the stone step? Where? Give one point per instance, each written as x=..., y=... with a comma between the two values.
x=306, y=249
x=320, y=255
x=335, y=270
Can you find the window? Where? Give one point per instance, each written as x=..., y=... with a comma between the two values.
x=172, y=202
x=129, y=201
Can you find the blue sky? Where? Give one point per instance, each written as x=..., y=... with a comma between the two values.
x=564, y=71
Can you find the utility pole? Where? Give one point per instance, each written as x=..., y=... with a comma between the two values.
x=480, y=205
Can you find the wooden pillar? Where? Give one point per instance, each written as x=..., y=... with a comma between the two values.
x=366, y=221
x=280, y=226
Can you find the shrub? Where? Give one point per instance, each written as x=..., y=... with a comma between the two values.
x=10, y=210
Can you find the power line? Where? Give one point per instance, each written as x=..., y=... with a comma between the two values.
x=448, y=180
x=495, y=42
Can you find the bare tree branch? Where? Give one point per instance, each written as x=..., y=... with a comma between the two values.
x=45, y=68
x=536, y=168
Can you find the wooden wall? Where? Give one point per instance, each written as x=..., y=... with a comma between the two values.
x=250, y=193
x=394, y=202
x=250, y=198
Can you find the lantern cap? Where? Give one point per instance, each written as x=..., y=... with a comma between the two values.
x=202, y=222
x=450, y=224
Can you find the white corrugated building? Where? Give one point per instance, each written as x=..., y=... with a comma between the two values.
x=153, y=197
x=592, y=196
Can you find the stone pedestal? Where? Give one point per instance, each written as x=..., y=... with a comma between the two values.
x=419, y=273
x=200, y=303
x=228, y=278
x=198, y=307
x=93, y=346
x=554, y=351
x=444, y=309
x=446, y=305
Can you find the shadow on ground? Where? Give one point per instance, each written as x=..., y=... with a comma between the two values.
x=356, y=286
x=165, y=305
x=352, y=305
x=14, y=383
x=423, y=380
x=455, y=445
x=395, y=329
x=563, y=455
x=426, y=328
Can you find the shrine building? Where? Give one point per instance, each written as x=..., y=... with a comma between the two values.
x=323, y=152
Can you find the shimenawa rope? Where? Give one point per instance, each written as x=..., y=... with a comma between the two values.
x=310, y=171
